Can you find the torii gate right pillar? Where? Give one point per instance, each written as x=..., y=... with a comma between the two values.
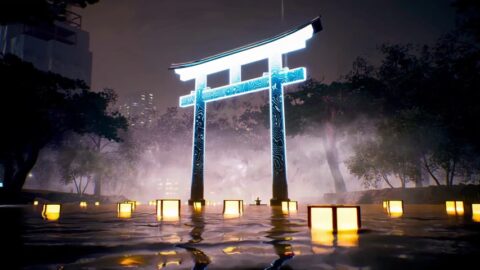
x=277, y=129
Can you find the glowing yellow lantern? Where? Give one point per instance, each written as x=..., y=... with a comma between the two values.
x=97, y=203
x=35, y=202
x=133, y=203
x=385, y=204
x=125, y=210
x=168, y=209
x=51, y=211
x=232, y=207
x=334, y=218
x=152, y=202
x=83, y=204
x=197, y=206
x=289, y=206
x=476, y=212
x=454, y=208
x=394, y=208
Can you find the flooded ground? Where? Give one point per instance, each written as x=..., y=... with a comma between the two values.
x=263, y=238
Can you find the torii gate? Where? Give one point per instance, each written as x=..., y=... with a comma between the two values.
x=274, y=80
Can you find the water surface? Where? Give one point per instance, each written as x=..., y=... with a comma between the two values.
x=263, y=238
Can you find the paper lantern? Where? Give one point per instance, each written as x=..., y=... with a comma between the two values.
x=35, y=202
x=97, y=203
x=476, y=212
x=334, y=218
x=454, y=208
x=394, y=208
x=232, y=207
x=51, y=211
x=197, y=206
x=133, y=203
x=289, y=206
x=125, y=209
x=385, y=205
x=168, y=209
x=83, y=204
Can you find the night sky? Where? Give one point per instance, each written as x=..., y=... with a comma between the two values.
x=134, y=42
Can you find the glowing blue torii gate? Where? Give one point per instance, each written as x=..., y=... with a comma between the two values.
x=274, y=80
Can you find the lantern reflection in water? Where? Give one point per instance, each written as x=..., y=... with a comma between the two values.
x=168, y=209
x=97, y=203
x=476, y=212
x=232, y=208
x=125, y=210
x=51, y=211
x=327, y=239
x=231, y=250
x=394, y=208
x=454, y=208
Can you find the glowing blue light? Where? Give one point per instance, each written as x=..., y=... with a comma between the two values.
x=262, y=83
x=292, y=42
x=276, y=78
x=1, y=184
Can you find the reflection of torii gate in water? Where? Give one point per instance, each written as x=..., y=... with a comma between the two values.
x=274, y=80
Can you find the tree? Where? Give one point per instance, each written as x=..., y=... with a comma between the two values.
x=39, y=108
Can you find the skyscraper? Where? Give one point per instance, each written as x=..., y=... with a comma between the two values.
x=61, y=47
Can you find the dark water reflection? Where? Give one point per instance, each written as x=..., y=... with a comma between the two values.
x=263, y=238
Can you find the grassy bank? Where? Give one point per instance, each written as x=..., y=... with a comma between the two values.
x=420, y=195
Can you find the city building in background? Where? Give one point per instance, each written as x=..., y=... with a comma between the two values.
x=140, y=112
x=61, y=47
x=168, y=188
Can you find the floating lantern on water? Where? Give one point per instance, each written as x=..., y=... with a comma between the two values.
x=454, y=208
x=168, y=209
x=83, y=204
x=334, y=218
x=476, y=212
x=125, y=209
x=35, y=202
x=289, y=206
x=197, y=206
x=133, y=203
x=394, y=208
x=232, y=207
x=51, y=211
x=97, y=203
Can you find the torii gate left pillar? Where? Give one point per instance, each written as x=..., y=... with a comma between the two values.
x=198, y=149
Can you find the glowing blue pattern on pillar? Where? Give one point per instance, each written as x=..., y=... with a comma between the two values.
x=277, y=130
x=196, y=192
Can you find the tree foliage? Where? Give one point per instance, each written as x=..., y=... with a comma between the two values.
x=39, y=108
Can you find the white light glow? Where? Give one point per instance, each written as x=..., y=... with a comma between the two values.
x=287, y=44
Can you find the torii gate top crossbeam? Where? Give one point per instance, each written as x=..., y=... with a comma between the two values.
x=286, y=42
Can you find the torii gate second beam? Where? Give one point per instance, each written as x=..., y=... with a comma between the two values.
x=278, y=76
